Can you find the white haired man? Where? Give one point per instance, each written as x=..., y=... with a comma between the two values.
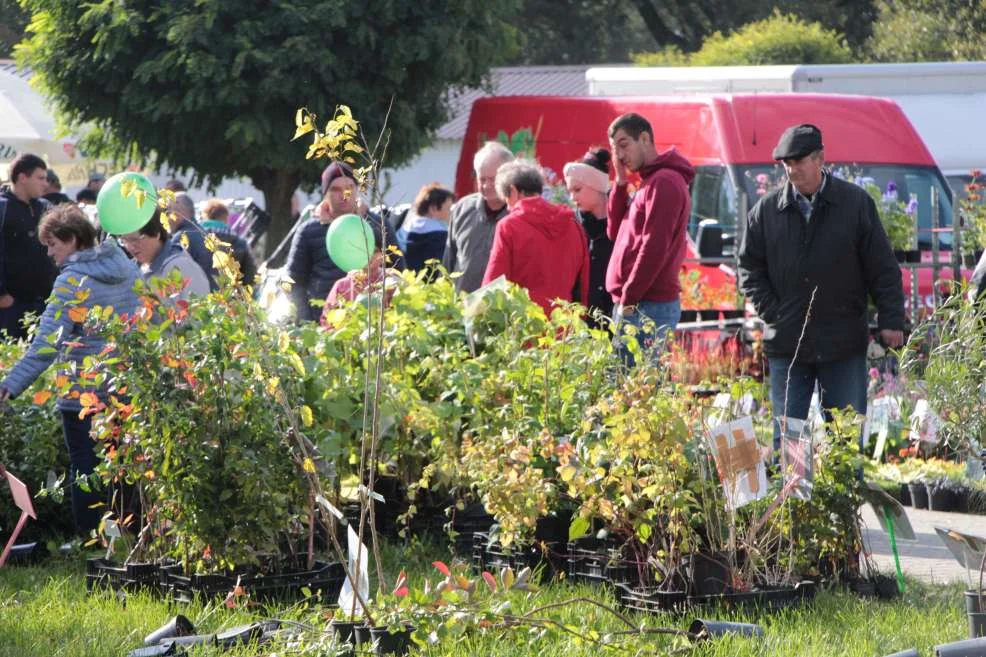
x=474, y=218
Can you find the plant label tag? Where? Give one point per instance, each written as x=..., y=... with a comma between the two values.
x=739, y=462
x=328, y=506
x=797, y=457
x=18, y=490
x=358, y=554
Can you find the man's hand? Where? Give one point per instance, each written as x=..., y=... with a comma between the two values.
x=6, y=301
x=621, y=171
x=891, y=338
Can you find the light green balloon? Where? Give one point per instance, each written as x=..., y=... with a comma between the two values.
x=119, y=215
x=350, y=242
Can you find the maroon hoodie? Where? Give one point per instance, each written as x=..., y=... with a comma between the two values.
x=540, y=247
x=649, y=232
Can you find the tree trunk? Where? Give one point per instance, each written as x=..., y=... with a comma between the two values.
x=662, y=33
x=278, y=187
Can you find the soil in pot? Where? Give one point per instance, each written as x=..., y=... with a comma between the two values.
x=919, y=495
x=386, y=642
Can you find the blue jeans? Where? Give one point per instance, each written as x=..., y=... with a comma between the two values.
x=654, y=322
x=82, y=461
x=10, y=318
x=842, y=383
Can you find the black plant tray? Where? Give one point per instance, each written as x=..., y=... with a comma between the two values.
x=326, y=577
x=467, y=522
x=133, y=577
x=767, y=598
x=651, y=599
x=541, y=558
x=596, y=561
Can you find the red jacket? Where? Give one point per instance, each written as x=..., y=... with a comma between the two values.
x=540, y=246
x=649, y=232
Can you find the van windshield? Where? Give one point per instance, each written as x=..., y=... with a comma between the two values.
x=911, y=184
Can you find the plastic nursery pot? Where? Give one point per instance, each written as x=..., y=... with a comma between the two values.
x=904, y=495
x=386, y=642
x=176, y=627
x=919, y=495
x=361, y=633
x=972, y=602
x=977, y=624
x=941, y=499
x=969, y=648
x=711, y=629
x=345, y=630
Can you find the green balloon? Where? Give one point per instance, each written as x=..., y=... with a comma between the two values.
x=119, y=215
x=350, y=242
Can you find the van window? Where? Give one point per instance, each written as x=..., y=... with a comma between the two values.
x=713, y=197
x=908, y=180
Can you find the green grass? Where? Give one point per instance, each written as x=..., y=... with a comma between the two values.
x=45, y=611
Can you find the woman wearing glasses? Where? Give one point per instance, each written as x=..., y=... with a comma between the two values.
x=90, y=275
x=158, y=258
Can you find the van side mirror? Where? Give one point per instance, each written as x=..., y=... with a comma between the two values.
x=709, y=239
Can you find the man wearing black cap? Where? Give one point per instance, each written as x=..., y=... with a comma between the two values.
x=812, y=252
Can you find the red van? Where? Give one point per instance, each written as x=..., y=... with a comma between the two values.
x=729, y=138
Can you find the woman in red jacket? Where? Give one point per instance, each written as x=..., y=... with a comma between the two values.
x=538, y=245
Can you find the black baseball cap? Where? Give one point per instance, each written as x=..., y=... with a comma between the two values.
x=798, y=141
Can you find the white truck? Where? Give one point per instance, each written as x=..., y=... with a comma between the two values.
x=945, y=102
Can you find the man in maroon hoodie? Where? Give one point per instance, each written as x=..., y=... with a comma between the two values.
x=648, y=232
x=538, y=245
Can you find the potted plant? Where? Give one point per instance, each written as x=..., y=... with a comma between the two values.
x=899, y=220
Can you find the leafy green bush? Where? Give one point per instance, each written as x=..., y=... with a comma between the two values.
x=780, y=39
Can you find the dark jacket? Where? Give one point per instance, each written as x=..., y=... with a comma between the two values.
x=26, y=271
x=239, y=248
x=313, y=271
x=600, y=250
x=196, y=248
x=842, y=254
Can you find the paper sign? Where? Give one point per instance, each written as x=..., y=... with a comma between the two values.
x=924, y=422
x=739, y=462
x=878, y=416
x=357, y=552
x=22, y=498
x=797, y=457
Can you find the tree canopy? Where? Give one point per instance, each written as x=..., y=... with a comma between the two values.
x=780, y=39
x=924, y=31
x=212, y=86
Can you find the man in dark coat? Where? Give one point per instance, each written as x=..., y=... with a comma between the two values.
x=26, y=271
x=811, y=254
x=309, y=264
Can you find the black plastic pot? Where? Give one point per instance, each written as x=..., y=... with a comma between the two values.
x=177, y=626
x=972, y=602
x=326, y=577
x=919, y=495
x=886, y=587
x=709, y=574
x=977, y=625
x=362, y=634
x=652, y=600
x=386, y=642
x=766, y=599
x=904, y=495
x=345, y=634
x=970, y=648
x=961, y=499
x=941, y=498
x=711, y=629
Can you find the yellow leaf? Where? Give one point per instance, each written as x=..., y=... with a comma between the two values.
x=272, y=384
x=140, y=196
x=302, y=130
x=566, y=472
x=297, y=363
x=283, y=342
x=41, y=397
x=308, y=465
x=184, y=241
x=307, y=418
x=127, y=187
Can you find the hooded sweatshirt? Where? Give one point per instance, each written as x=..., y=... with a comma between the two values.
x=102, y=276
x=540, y=247
x=649, y=232
x=171, y=257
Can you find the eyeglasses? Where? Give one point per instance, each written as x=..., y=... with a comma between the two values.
x=130, y=240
